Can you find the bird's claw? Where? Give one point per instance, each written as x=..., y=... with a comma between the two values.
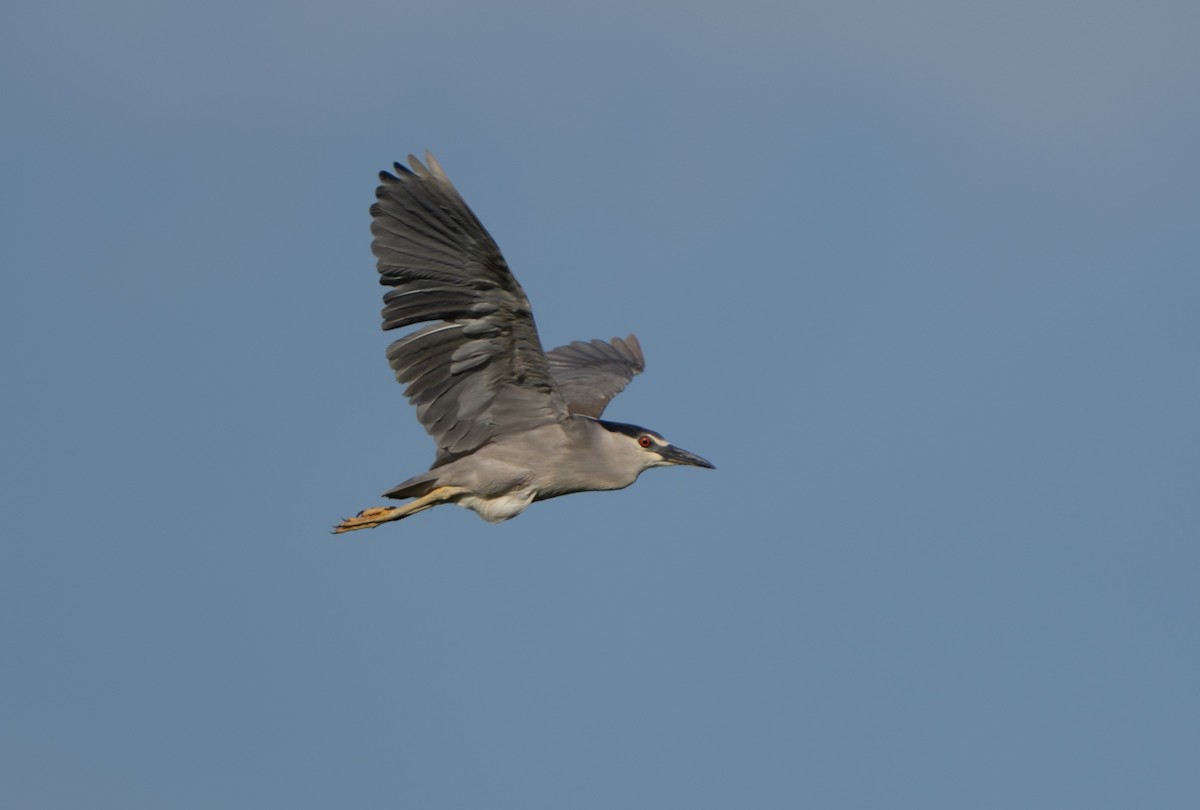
x=366, y=519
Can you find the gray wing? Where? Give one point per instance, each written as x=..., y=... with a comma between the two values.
x=479, y=372
x=590, y=374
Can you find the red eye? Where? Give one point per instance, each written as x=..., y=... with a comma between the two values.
x=644, y=441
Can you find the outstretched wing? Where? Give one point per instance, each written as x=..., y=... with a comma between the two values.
x=479, y=372
x=590, y=374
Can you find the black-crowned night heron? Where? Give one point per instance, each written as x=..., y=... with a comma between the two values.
x=513, y=424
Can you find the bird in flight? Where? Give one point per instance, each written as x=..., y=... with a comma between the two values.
x=513, y=424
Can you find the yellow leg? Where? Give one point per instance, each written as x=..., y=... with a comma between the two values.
x=378, y=515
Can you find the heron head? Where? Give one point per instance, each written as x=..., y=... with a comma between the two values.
x=652, y=450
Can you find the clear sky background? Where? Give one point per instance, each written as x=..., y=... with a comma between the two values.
x=922, y=279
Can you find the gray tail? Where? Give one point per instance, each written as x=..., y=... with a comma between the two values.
x=414, y=487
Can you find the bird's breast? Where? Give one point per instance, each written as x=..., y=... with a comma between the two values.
x=499, y=508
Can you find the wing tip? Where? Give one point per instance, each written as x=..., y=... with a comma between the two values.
x=631, y=347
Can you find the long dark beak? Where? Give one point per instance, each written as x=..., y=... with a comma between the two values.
x=676, y=455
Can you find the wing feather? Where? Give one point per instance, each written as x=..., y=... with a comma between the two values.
x=590, y=374
x=478, y=371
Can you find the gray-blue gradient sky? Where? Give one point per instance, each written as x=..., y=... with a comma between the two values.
x=922, y=279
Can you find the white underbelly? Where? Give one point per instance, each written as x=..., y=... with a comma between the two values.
x=494, y=510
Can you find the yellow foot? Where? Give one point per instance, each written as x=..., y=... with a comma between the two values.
x=368, y=519
x=378, y=515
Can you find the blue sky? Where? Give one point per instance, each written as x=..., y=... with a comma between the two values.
x=919, y=278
